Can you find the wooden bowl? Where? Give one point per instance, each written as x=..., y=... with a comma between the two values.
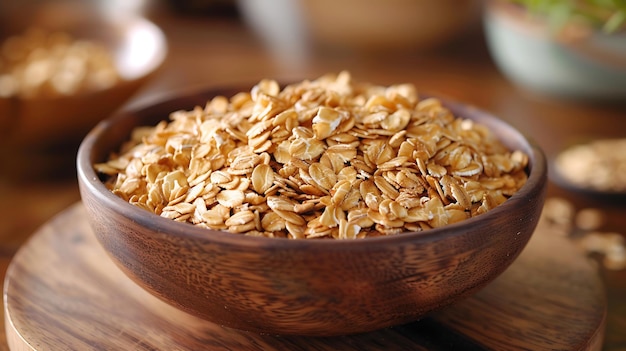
x=305, y=287
x=38, y=132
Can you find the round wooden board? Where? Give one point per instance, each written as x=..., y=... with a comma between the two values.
x=62, y=292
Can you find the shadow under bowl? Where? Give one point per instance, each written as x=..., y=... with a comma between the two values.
x=304, y=287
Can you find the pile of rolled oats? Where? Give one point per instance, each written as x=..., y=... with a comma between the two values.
x=40, y=63
x=327, y=158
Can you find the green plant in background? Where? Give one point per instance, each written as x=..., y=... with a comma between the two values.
x=609, y=15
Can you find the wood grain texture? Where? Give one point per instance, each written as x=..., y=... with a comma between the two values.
x=62, y=292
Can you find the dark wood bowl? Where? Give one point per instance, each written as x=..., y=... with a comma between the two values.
x=305, y=287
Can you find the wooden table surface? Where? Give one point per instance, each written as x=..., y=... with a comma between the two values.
x=207, y=51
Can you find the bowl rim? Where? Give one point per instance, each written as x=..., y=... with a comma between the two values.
x=90, y=182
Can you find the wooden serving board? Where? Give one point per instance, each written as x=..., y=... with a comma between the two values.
x=62, y=292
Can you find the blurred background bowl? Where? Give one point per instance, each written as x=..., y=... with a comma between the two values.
x=387, y=25
x=306, y=287
x=295, y=30
x=576, y=63
x=39, y=135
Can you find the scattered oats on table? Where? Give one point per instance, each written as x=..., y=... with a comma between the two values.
x=560, y=217
x=327, y=158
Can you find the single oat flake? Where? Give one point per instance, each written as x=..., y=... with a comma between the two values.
x=324, y=158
